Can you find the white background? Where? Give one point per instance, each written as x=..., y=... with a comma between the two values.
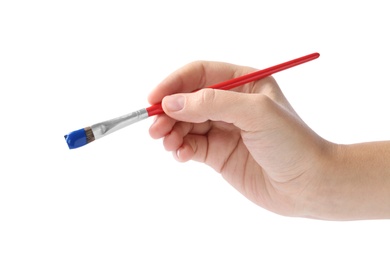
x=65, y=65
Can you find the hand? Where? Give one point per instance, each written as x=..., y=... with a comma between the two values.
x=255, y=139
x=251, y=135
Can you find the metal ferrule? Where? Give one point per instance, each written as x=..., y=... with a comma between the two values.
x=107, y=127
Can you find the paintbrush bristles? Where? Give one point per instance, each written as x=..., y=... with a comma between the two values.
x=89, y=134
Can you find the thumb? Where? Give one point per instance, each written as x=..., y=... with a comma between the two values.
x=241, y=109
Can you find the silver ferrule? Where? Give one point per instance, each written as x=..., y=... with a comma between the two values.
x=107, y=127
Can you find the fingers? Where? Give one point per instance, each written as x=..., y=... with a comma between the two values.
x=174, y=139
x=161, y=126
x=194, y=76
x=246, y=111
x=194, y=147
x=165, y=125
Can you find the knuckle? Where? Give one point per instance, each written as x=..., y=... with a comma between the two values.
x=263, y=104
x=207, y=96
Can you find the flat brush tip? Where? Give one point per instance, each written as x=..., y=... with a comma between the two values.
x=79, y=138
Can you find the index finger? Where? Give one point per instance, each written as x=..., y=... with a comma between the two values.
x=194, y=76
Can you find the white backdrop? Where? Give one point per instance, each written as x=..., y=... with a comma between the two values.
x=65, y=65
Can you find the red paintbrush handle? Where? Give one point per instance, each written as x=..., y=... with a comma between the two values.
x=232, y=83
x=155, y=109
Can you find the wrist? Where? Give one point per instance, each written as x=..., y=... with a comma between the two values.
x=353, y=182
x=323, y=193
x=328, y=198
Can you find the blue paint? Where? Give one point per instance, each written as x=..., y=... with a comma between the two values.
x=76, y=138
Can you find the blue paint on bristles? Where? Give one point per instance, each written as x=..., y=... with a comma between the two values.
x=76, y=138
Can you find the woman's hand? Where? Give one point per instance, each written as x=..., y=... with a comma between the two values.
x=253, y=137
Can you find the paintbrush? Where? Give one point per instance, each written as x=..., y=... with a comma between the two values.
x=89, y=134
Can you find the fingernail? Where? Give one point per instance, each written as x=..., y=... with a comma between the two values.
x=174, y=103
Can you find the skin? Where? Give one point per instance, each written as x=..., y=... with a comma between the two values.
x=259, y=144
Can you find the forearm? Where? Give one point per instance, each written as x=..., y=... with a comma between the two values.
x=355, y=184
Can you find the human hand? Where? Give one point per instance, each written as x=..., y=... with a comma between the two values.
x=251, y=135
x=259, y=144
